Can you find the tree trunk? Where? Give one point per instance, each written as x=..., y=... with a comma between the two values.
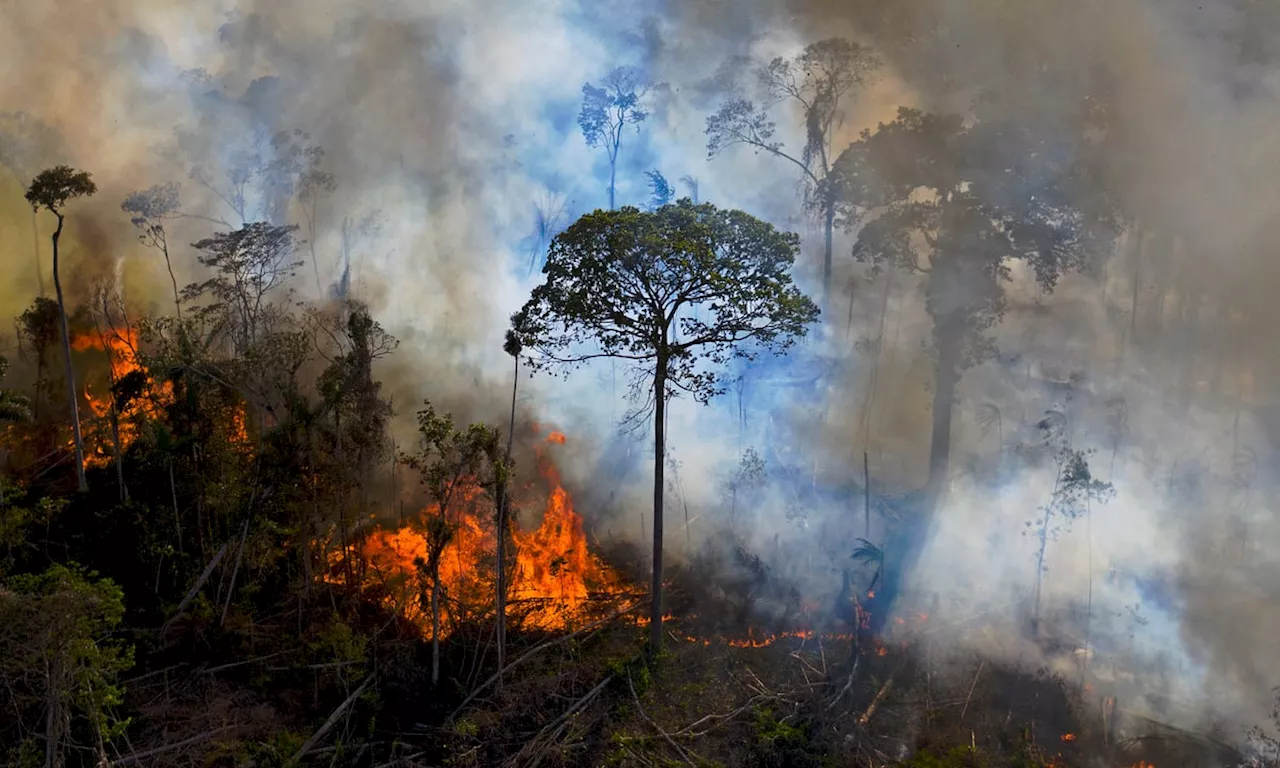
x=829, y=222
x=504, y=501
x=35, y=241
x=613, y=177
x=177, y=515
x=81, y=483
x=115, y=437
x=177, y=300
x=1044, y=544
x=435, y=624
x=53, y=717
x=659, y=446
x=944, y=393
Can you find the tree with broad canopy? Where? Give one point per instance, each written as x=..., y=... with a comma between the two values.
x=678, y=291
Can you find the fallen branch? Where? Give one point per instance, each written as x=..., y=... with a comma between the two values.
x=195, y=589
x=531, y=653
x=197, y=739
x=875, y=703
x=639, y=708
x=848, y=684
x=754, y=700
x=553, y=729
x=969, y=697
x=328, y=724
x=256, y=660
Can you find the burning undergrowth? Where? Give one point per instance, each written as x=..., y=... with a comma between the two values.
x=555, y=580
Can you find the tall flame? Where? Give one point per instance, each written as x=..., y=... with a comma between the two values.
x=121, y=348
x=555, y=574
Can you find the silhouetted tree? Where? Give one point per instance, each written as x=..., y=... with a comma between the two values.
x=51, y=190
x=817, y=81
x=607, y=111
x=149, y=210
x=39, y=326
x=1074, y=489
x=679, y=292
x=248, y=264
x=937, y=201
x=660, y=190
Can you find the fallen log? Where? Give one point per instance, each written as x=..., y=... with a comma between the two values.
x=334, y=717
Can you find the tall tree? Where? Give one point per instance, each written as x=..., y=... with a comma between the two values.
x=677, y=291
x=51, y=190
x=818, y=80
x=248, y=264
x=607, y=110
x=149, y=210
x=958, y=206
x=512, y=347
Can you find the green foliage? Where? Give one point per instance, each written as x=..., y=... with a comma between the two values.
x=688, y=285
x=56, y=651
x=447, y=456
x=51, y=189
x=18, y=521
x=13, y=406
x=776, y=732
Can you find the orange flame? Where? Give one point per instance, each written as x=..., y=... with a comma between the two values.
x=121, y=348
x=555, y=574
x=1068, y=737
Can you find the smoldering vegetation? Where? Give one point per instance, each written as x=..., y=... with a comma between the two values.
x=428, y=154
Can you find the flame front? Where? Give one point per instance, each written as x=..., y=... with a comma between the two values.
x=553, y=581
x=121, y=348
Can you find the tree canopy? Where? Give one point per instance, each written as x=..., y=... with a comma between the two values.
x=627, y=283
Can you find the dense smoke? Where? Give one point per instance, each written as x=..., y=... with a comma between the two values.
x=450, y=128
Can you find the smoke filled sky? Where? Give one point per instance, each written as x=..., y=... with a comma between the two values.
x=445, y=123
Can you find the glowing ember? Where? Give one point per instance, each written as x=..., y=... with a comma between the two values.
x=121, y=348
x=1068, y=737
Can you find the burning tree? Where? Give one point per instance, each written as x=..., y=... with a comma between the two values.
x=448, y=460
x=678, y=291
x=51, y=190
